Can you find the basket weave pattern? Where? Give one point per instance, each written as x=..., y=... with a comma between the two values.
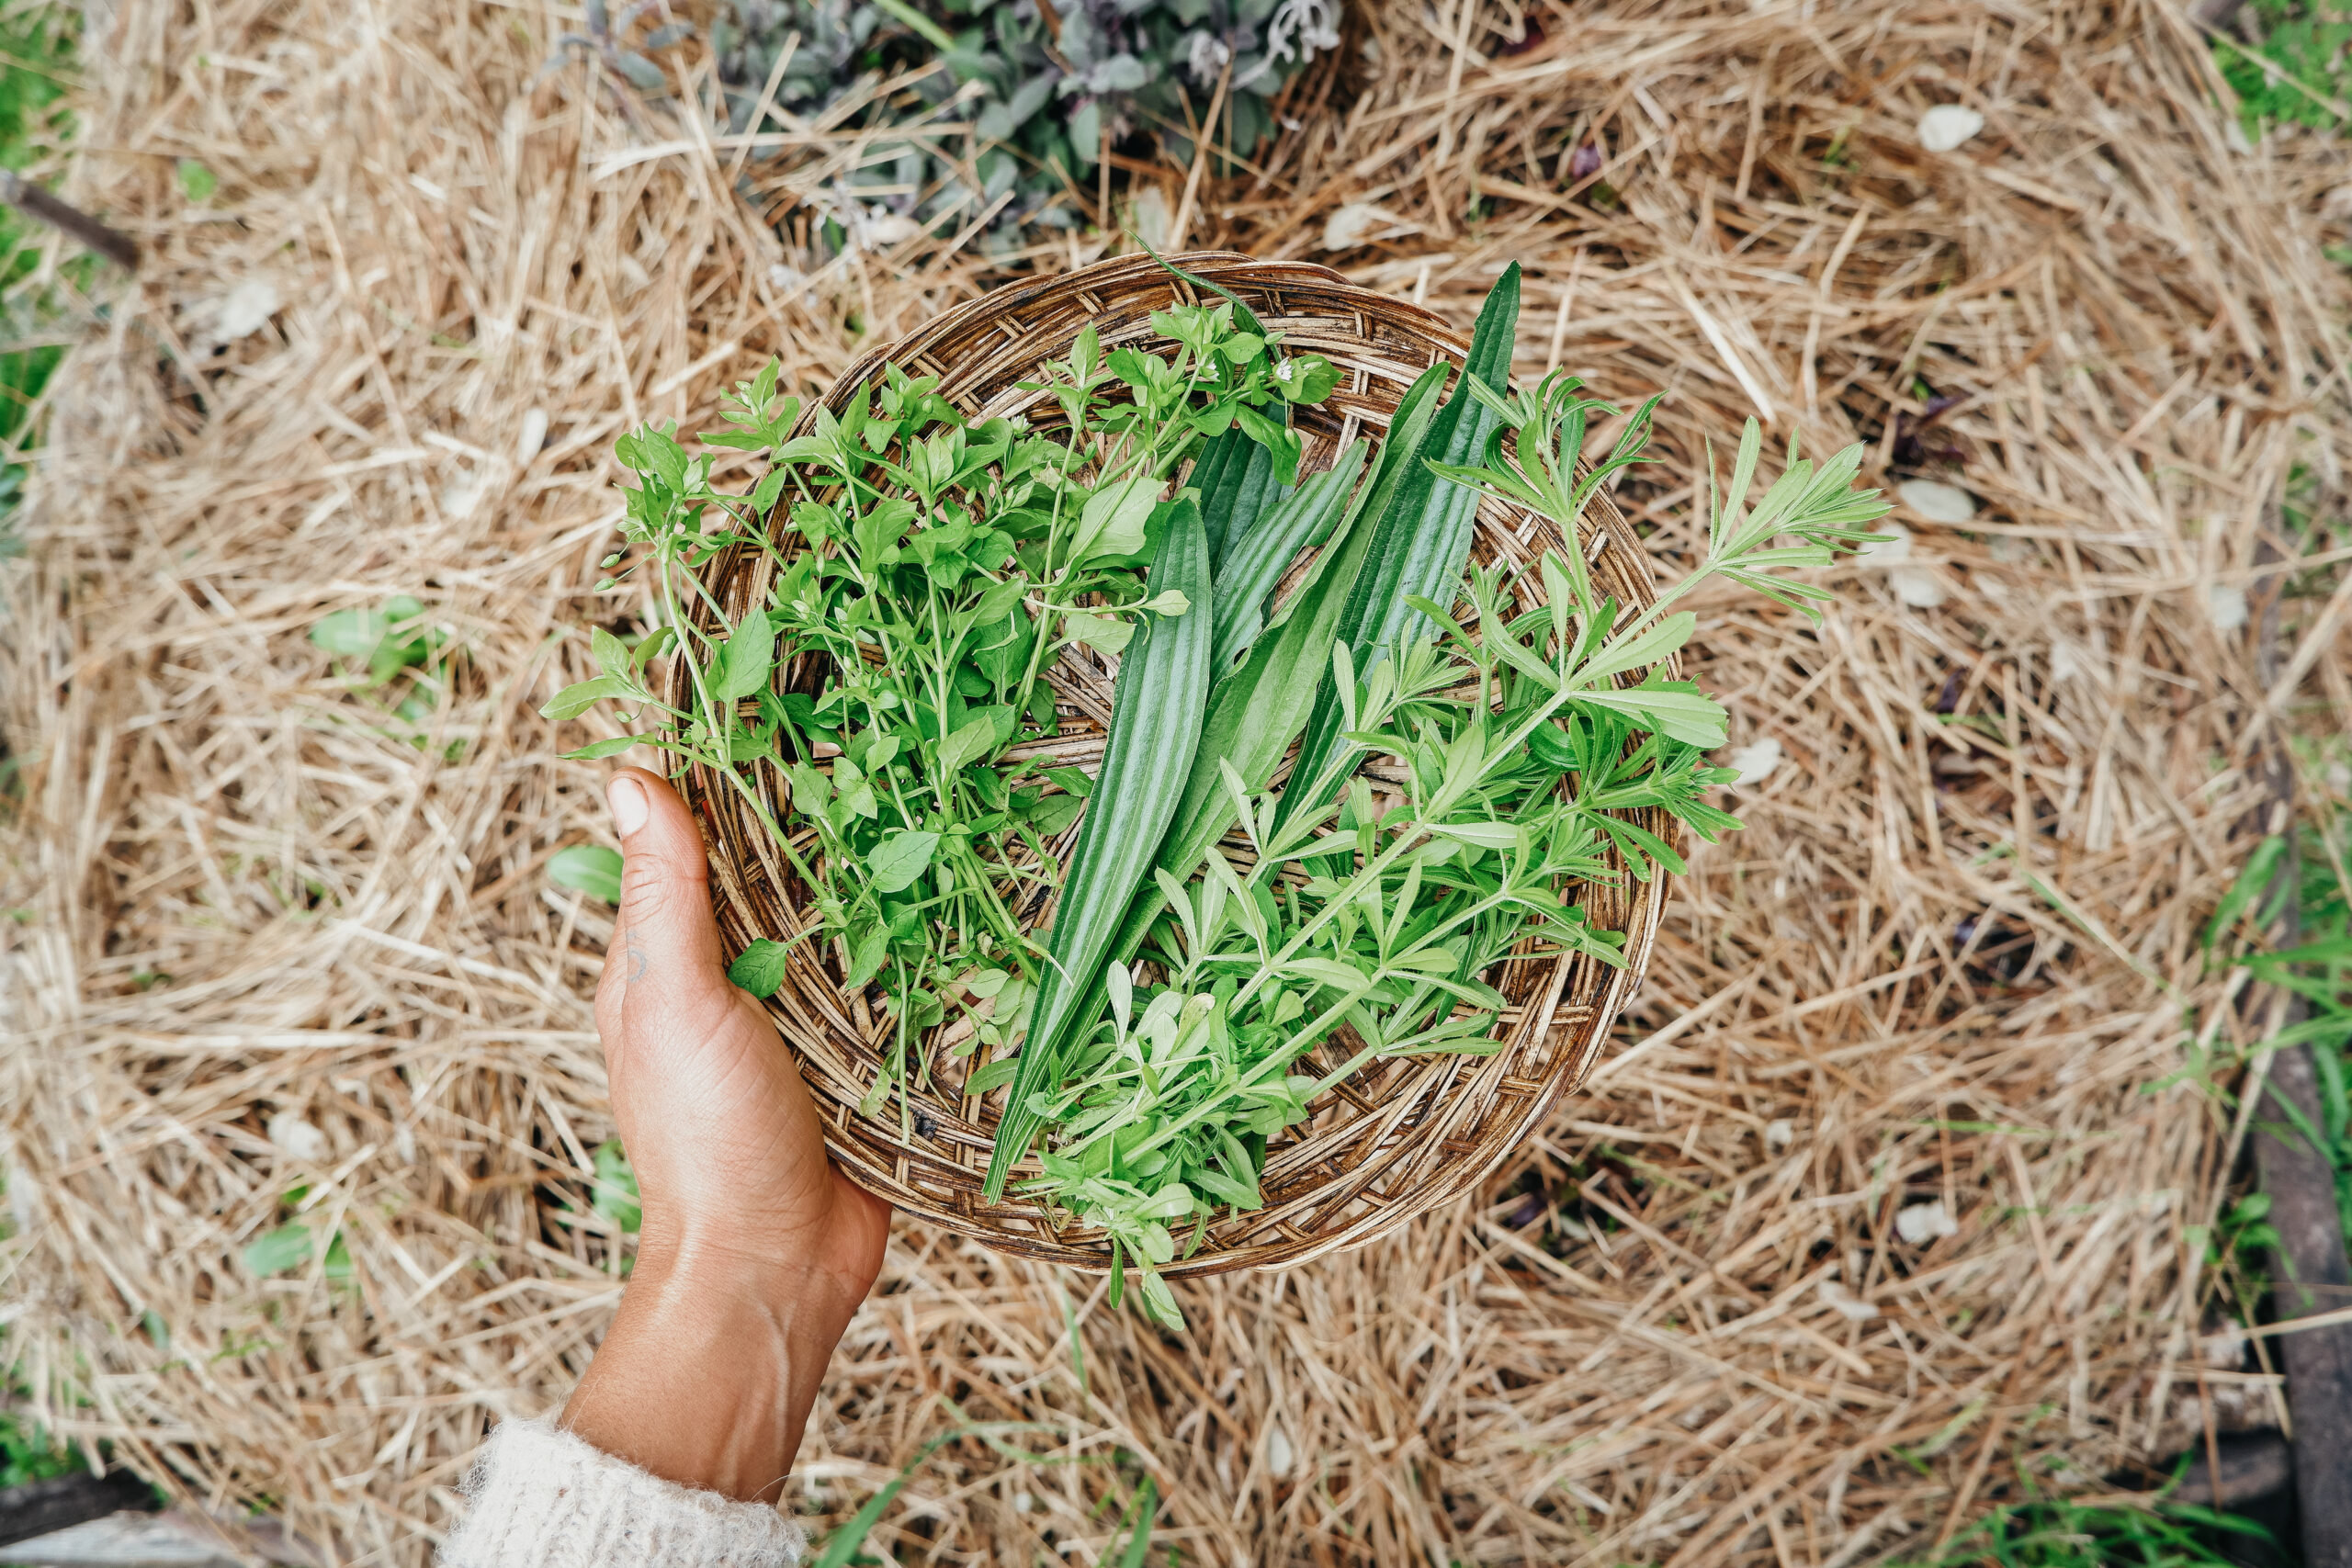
x=1404, y=1135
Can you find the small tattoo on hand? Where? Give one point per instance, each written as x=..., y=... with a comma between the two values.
x=637, y=962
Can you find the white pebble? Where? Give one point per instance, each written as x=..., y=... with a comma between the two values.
x=1780, y=1134
x=1892, y=551
x=1937, y=501
x=1756, y=761
x=1358, y=222
x=1921, y=587
x=2227, y=605
x=1851, y=1307
x=463, y=493
x=297, y=1138
x=247, y=309
x=1278, y=1451
x=1946, y=126
x=1025, y=1502
x=1917, y=585
x=533, y=438
x=1149, y=214
x=887, y=227
x=1922, y=1224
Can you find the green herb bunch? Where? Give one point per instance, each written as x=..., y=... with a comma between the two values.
x=1518, y=746
x=1476, y=748
x=929, y=571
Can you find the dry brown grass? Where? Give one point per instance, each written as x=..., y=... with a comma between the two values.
x=1954, y=955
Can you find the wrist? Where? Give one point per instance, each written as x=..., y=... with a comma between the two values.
x=712, y=1363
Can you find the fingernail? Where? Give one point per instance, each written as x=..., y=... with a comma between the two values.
x=630, y=808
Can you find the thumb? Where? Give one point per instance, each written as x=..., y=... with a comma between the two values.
x=665, y=883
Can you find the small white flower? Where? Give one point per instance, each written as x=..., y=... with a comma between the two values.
x=1207, y=56
x=1938, y=503
x=1755, y=761
x=1282, y=370
x=1946, y=126
x=1922, y=1224
x=1778, y=1133
x=1301, y=28
x=2227, y=605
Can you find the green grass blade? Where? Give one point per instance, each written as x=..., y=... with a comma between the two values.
x=1243, y=317
x=1146, y=1507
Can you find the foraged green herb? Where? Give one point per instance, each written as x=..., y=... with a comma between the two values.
x=1519, y=756
x=1482, y=745
x=925, y=571
x=1256, y=710
x=1155, y=729
x=1421, y=541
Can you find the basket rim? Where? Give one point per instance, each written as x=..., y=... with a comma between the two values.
x=810, y=1002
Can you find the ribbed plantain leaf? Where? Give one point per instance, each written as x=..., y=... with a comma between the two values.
x=1236, y=478
x=1255, y=711
x=1162, y=692
x=1420, y=546
x=1256, y=560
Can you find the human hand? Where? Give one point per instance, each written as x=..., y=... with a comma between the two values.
x=754, y=1251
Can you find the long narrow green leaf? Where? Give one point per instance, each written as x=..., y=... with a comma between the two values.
x=1236, y=478
x=1256, y=561
x=1256, y=710
x=1155, y=731
x=1420, y=544
x=1142, y=1512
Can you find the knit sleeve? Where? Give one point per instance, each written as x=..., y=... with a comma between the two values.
x=543, y=1498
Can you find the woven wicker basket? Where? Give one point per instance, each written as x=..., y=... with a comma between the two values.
x=1401, y=1138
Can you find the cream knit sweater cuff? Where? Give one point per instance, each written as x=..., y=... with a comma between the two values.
x=543, y=1498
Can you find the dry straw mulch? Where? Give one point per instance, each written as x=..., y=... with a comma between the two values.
x=1954, y=956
